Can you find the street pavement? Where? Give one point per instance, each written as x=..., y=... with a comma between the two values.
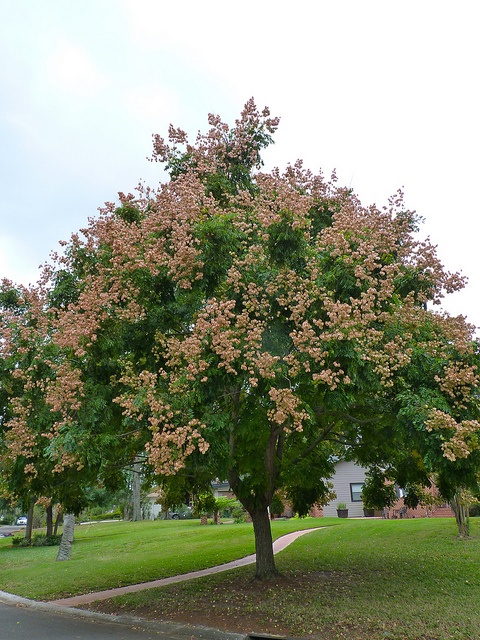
x=6, y=530
x=22, y=619
x=20, y=623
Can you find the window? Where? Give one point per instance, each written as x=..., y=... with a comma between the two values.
x=356, y=491
x=399, y=491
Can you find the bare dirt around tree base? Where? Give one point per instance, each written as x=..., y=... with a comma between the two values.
x=242, y=605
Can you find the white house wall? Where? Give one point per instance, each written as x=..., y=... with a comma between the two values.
x=345, y=474
x=155, y=510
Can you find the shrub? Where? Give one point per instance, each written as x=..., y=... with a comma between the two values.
x=474, y=510
x=238, y=513
x=114, y=515
x=277, y=507
x=38, y=540
x=204, y=504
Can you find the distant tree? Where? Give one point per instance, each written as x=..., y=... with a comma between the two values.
x=250, y=326
x=378, y=490
x=434, y=398
x=437, y=403
x=204, y=505
x=39, y=459
x=26, y=472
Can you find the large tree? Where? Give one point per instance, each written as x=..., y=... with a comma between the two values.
x=266, y=321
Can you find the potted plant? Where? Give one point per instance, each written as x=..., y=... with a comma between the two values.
x=342, y=511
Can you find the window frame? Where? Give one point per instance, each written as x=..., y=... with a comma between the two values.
x=357, y=492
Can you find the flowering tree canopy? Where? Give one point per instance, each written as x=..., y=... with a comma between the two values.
x=34, y=465
x=249, y=325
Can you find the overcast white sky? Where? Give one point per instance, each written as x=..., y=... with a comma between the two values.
x=385, y=92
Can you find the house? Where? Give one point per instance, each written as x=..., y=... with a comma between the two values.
x=153, y=506
x=222, y=489
x=348, y=481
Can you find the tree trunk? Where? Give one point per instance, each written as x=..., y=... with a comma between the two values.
x=460, y=509
x=29, y=529
x=136, y=486
x=265, y=561
x=57, y=521
x=257, y=505
x=67, y=537
x=49, y=513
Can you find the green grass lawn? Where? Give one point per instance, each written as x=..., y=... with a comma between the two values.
x=119, y=553
x=357, y=579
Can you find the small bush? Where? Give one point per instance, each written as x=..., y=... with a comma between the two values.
x=238, y=513
x=474, y=510
x=38, y=540
x=277, y=506
x=114, y=515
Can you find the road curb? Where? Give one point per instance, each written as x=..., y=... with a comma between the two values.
x=171, y=630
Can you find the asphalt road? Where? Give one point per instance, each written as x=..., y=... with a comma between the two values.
x=21, y=619
x=7, y=529
x=20, y=623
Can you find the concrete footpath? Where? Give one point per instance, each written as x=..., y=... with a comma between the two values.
x=20, y=614
x=278, y=545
